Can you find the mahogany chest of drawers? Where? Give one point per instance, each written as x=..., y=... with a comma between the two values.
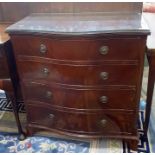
x=81, y=74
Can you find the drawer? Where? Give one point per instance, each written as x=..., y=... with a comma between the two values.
x=104, y=48
x=80, y=74
x=81, y=98
x=97, y=122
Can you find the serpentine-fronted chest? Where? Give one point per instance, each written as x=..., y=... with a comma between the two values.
x=81, y=73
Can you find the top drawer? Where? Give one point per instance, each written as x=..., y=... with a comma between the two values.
x=80, y=48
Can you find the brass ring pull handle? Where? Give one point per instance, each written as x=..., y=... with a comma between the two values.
x=104, y=50
x=46, y=71
x=103, y=99
x=51, y=116
x=104, y=75
x=43, y=48
x=103, y=123
x=49, y=94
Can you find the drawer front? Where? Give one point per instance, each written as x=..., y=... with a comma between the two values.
x=123, y=48
x=80, y=98
x=80, y=75
x=97, y=122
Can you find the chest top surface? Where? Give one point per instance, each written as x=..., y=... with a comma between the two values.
x=80, y=23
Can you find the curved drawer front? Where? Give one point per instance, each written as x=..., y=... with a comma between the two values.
x=79, y=98
x=72, y=121
x=124, y=48
x=80, y=75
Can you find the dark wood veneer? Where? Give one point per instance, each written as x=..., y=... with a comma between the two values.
x=79, y=74
x=60, y=96
x=60, y=70
x=90, y=123
x=69, y=49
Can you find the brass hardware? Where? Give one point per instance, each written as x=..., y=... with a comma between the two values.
x=104, y=75
x=43, y=48
x=103, y=99
x=104, y=50
x=51, y=116
x=49, y=94
x=45, y=71
x=103, y=122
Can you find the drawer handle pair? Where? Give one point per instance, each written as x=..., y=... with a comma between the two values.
x=43, y=49
x=104, y=50
x=103, y=75
x=103, y=99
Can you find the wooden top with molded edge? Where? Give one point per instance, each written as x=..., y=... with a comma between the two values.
x=81, y=24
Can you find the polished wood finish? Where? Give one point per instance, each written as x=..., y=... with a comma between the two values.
x=8, y=11
x=81, y=98
x=79, y=74
x=81, y=82
x=96, y=122
x=71, y=47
